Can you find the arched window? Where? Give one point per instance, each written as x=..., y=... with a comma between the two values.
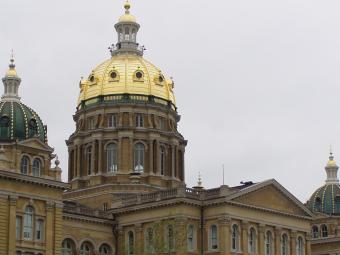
x=131, y=243
x=162, y=159
x=252, y=241
x=234, y=238
x=299, y=246
x=32, y=128
x=4, y=127
x=89, y=160
x=324, y=231
x=315, y=232
x=139, y=157
x=317, y=205
x=28, y=223
x=36, y=169
x=24, y=165
x=127, y=34
x=191, y=238
x=284, y=244
x=149, y=240
x=112, y=119
x=86, y=249
x=104, y=250
x=68, y=247
x=170, y=238
x=268, y=243
x=112, y=158
x=213, y=237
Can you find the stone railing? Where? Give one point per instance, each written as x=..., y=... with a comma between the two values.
x=182, y=192
x=74, y=208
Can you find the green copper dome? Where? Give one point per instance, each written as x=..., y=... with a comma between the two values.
x=326, y=199
x=19, y=122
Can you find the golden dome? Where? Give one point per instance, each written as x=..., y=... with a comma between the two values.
x=126, y=74
x=12, y=72
x=331, y=163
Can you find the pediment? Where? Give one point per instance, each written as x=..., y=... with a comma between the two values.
x=271, y=195
x=36, y=144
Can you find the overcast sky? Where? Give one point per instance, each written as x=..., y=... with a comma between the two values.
x=257, y=82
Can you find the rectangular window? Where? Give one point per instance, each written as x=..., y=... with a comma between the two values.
x=39, y=230
x=105, y=207
x=91, y=123
x=112, y=121
x=18, y=228
x=139, y=120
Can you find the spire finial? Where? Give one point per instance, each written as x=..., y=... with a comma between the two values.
x=199, y=182
x=127, y=7
x=331, y=156
x=12, y=65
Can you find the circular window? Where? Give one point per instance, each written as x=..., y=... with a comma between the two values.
x=113, y=75
x=139, y=75
x=160, y=78
x=91, y=78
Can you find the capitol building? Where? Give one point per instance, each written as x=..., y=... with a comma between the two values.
x=126, y=192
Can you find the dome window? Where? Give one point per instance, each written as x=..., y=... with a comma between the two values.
x=33, y=128
x=139, y=75
x=114, y=76
x=160, y=78
x=4, y=126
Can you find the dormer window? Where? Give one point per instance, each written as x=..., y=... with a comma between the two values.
x=4, y=126
x=138, y=75
x=33, y=128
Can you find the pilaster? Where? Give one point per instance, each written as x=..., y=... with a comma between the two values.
x=49, y=227
x=139, y=242
x=224, y=235
x=100, y=157
x=12, y=224
x=261, y=242
x=293, y=236
x=278, y=240
x=245, y=226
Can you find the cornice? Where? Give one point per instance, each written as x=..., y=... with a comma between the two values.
x=33, y=180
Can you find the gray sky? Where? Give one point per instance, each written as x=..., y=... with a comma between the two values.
x=257, y=82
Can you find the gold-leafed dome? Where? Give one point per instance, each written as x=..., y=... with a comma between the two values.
x=126, y=74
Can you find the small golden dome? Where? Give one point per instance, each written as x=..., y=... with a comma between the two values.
x=126, y=74
x=12, y=72
x=127, y=17
x=331, y=163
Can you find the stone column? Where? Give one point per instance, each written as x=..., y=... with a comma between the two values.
x=176, y=163
x=139, y=241
x=93, y=161
x=158, y=160
x=172, y=161
x=70, y=170
x=224, y=235
x=151, y=154
x=120, y=148
x=261, y=239
x=12, y=225
x=121, y=242
x=79, y=161
x=277, y=240
x=308, y=245
x=245, y=226
x=131, y=158
x=49, y=227
x=292, y=246
x=58, y=223
x=100, y=157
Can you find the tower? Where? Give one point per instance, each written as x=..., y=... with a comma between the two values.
x=126, y=136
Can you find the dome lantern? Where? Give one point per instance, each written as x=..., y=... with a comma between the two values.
x=332, y=170
x=11, y=83
x=127, y=29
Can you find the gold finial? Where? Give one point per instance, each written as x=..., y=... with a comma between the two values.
x=331, y=161
x=127, y=7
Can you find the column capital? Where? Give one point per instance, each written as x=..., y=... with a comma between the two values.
x=278, y=230
x=139, y=227
x=224, y=220
x=262, y=228
x=293, y=234
x=49, y=205
x=245, y=225
x=13, y=200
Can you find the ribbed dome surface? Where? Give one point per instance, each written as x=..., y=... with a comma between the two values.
x=126, y=74
x=18, y=121
x=326, y=199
